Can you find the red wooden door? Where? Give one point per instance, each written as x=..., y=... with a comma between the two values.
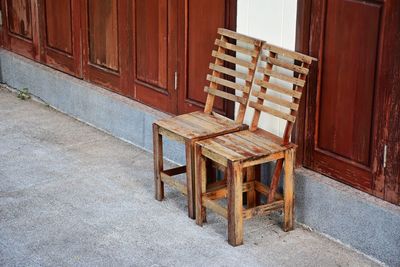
x=20, y=26
x=345, y=138
x=106, y=45
x=60, y=30
x=156, y=56
x=203, y=19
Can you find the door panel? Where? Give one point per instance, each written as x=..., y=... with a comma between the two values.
x=156, y=52
x=348, y=79
x=20, y=18
x=152, y=42
x=103, y=34
x=204, y=17
x=60, y=29
x=344, y=96
x=21, y=34
x=106, y=46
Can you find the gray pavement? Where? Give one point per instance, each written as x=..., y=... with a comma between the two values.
x=71, y=195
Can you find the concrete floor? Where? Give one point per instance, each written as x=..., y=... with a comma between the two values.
x=72, y=195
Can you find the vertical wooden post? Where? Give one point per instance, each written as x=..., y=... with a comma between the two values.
x=158, y=162
x=251, y=194
x=235, y=204
x=201, y=182
x=275, y=180
x=189, y=147
x=288, y=193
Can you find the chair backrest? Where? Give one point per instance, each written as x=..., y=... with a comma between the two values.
x=227, y=68
x=279, y=63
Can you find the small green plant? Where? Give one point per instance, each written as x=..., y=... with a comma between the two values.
x=24, y=94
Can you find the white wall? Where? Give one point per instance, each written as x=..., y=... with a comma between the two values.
x=273, y=21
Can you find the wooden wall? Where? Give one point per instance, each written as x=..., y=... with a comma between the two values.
x=153, y=51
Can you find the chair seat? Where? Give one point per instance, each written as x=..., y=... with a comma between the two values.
x=245, y=145
x=197, y=125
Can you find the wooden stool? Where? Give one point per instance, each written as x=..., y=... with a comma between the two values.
x=246, y=149
x=189, y=128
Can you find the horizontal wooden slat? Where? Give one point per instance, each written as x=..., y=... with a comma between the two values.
x=225, y=95
x=175, y=171
x=233, y=60
x=272, y=111
x=278, y=88
x=173, y=183
x=285, y=65
x=276, y=100
x=215, y=157
x=212, y=205
x=262, y=209
x=231, y=72
x=264, y=159
x=227, y=83
x=222, y=191
x=235, y=48
x=171, y=135
x=288, y=53
x=238, y=36
x=282, y=76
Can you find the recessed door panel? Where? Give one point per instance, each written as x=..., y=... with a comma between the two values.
x=152, y=42
x=103, y=33
x=61, y=34
x=106, y=44
x=20, y=18
x=20, y=27
x=156, y=53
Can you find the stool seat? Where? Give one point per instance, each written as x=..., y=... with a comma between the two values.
x=198, y=124
x=244, y=146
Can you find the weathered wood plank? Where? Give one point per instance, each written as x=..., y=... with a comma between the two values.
x=262, y=209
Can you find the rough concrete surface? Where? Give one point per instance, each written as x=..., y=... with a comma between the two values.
x=72, y=195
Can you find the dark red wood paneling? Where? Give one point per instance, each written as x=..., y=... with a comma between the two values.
x=106, y=44
x=21, y=27
x=156, y=55
x=350, y=111
x=203, y=20
x=60, y=27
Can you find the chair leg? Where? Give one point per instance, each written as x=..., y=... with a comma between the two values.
x=189, y=147
x=275, y=180
x=158, y=162
x=235, y=204
x=288, y=196
x=201, y=183
x=251, y=195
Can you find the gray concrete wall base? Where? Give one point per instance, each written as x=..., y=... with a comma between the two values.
x=359, y=220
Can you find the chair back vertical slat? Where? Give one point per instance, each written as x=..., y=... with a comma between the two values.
x=247, y=51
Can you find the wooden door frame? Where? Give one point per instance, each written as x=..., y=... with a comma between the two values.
x=386, y=184
x=230, y=23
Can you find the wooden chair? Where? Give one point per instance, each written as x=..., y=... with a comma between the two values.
x=191, y=127
x=242, y=151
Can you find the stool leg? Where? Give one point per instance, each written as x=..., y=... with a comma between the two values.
x=288, y=193
x=201, y=182
x=251, y=194
x=158, y=162
x=189, y=147
x=235, y=204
